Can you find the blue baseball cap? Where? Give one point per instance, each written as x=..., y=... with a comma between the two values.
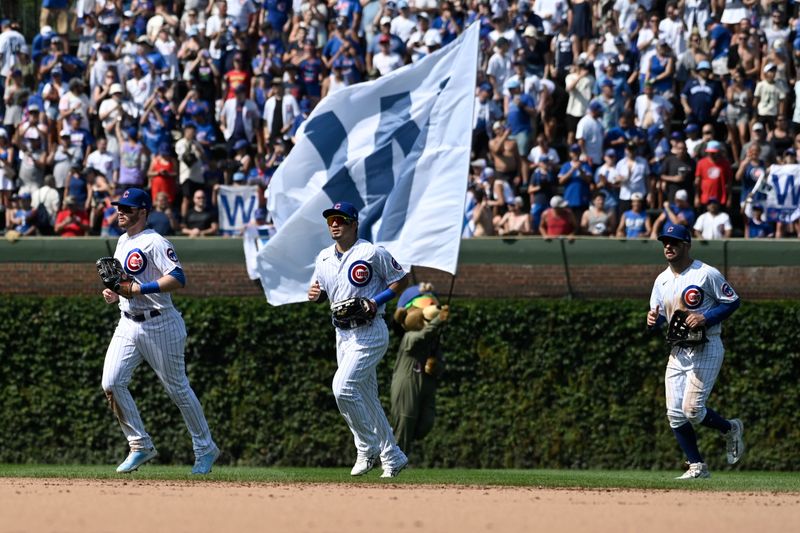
x=596, y=106
x=135, y=198
x=342, y=208
x=713, y=146
x=675, y=231
x=704, y=65
x=575, y=148
x=239, y=176
x=692, y=127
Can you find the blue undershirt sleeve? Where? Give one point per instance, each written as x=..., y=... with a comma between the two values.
x=178, y=274
x=717, y=314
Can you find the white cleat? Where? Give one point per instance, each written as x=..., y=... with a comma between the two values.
x=696, y=471
x=364, y=464
x=395, y=470
x=734, y=441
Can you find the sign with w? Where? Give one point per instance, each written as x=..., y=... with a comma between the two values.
x=398, y=149
x=236, y=206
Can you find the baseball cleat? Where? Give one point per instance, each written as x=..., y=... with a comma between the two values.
x=734, y=441
x=394, y=471
x=136, y=459
x=202, y=464
x=364, y=464
x=696, y=471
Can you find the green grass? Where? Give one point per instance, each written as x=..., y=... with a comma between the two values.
x=602, y=479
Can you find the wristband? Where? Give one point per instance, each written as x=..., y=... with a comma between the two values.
x=384, y=297
x=150, y=288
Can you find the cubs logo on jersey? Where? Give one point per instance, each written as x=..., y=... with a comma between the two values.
x=396, y=265
x=135, y=261
x=359, y=273
x=727, y=290
x=171, y=255
x=692, y=297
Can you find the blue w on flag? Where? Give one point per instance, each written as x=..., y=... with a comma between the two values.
x=397, y=148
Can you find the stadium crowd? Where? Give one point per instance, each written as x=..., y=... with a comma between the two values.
x=604, y=117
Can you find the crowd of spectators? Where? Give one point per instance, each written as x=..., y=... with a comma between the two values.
x=604, y=117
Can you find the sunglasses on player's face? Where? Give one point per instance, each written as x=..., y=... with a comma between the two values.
x=339, y=220
x=671, y=242
x=126, y=209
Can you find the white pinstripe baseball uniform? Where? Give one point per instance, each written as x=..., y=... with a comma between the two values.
x=150, y=329
x=692, y=372
x=364, y=270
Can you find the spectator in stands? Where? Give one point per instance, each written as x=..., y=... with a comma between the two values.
x=481, y=221
x=632, y=173
x=750, y=169
x=714, y=223
x=46, y=202
x=558, y=220
x=576, y=177
x=578, y=83
x=606, y=181
x=540, y=187
x=589, y=134
x=768, y=98
x=756, y=227
x=679, y=212
x=597, y=220
x=677, y=169
x=758, y=138
x=279, y=112
x=713, y=177
x=200, y=221
x=162, y=175
x=737, y=113
x=515, y=221
x=190, y=156
x=73, y=220
x=635, y=222
x=162, y=219
x=33, y=163
x=19, y=216
x=652, y=109
x=702, y=98
x=520, y=108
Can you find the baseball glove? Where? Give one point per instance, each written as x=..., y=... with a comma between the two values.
x=680, y=334
x=345, y=312
x=114, y=277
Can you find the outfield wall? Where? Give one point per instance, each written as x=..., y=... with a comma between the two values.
x=488, y=268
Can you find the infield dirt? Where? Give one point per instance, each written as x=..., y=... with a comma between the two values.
x=88, y=506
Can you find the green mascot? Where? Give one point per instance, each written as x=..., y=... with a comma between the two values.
x=419, y=364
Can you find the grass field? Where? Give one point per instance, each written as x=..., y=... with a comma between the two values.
x=602, y=479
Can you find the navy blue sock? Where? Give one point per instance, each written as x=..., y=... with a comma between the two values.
x=687, y=440
x=714, y=420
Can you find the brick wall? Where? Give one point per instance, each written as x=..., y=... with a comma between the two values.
x=483, y=281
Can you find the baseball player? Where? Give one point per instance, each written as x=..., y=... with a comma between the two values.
x=354, y=269
x=150, y=329
x=701, y=291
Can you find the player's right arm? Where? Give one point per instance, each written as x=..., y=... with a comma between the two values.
x=110, y=296
x=316, y=292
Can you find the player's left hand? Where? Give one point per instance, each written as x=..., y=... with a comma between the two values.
x=695, y=320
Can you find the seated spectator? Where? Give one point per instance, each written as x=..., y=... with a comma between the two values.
x=481, y=220
x=558, y=220
x=516, y=221
x=714, y=223
x=200, y=221
x=73, y=220
x=635, y=223
x=161, y=219
x=756, y=227
x=679, y=212
x=19, y=216
x=597, y=220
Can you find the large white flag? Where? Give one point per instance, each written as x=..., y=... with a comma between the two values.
x=398, y=149
x=779, y=192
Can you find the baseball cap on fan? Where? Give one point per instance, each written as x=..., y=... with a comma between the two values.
x=675, y=231
x=135, y=198
x=342, y=208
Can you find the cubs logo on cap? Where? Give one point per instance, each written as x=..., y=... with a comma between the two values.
x=675, y=231
x=359, y=273
x=693, y=296
x=345, y=209
x=135, y=198
x=135, y=261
